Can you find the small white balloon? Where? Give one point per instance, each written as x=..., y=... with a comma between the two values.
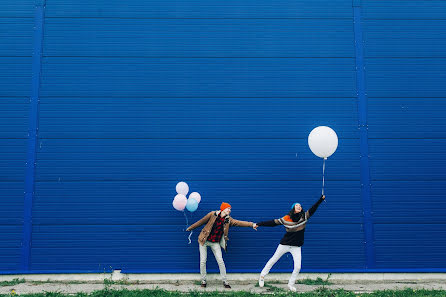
x=182, y=188
x=323, y=141
x=196, y=196
x=179, y=202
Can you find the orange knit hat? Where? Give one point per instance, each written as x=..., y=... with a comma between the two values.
x=225, y=205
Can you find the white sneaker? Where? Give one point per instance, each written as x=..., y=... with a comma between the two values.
x=261, y=281
x=292, y=288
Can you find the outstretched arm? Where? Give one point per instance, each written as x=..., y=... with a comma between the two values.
x=237, y=223
x=271, y=223
x=203, y=221
x=313, y=209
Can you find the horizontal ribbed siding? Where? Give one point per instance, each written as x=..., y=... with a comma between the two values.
x=221, y=94
x=405, y=43
x=202, y=9
x=16, y=25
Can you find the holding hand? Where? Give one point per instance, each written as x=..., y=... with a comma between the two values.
x=254, y=226
x=323, y=197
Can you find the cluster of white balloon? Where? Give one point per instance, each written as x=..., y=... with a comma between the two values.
x=180, y=202
x=323, y=142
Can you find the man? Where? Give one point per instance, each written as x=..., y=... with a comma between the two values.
x=215, y=235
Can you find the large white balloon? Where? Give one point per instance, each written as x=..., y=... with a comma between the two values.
x=323, y=141
x=182, y=188
x=196, y=196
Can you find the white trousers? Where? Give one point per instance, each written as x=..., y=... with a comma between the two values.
x=216, y=249
x=282, y=250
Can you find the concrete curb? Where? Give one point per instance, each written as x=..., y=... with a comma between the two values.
x=170, y=278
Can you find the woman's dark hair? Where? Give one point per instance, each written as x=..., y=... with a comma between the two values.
x=296, y=216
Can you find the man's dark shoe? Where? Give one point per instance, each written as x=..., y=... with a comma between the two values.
x=203, y=284
x=226, y=285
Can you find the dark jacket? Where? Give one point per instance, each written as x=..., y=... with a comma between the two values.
x=295, y=230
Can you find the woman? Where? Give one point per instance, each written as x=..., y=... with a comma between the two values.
x=292, y=241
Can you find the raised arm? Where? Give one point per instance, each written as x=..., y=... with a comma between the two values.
x=313, y=209
x=203, y=221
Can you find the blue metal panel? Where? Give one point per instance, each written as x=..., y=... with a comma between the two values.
x=16, y=36
x=404, y=10
x=406, y=77
x=410, y=159
x=209, y=165
x=397, y=246
x=198, y=77
x=198, y=37
x=15, y=75
x=424, y=196
x=400, y=38
x=418, y=118
x=202, y=9
x=11, y=215
x=406, y=84
x=17, y=8
x=222, y=95
x=193, y=118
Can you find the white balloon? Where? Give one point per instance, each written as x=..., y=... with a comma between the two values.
x=323, y=141
x=179, y=202
x=182, y=188
x=196, y=196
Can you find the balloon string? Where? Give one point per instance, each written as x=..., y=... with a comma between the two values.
x=187, y=221
x=187, y=225
x=323, y=176
x=190, y=236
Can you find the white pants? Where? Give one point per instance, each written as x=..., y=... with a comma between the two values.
x=282, y=250
x=216, y=249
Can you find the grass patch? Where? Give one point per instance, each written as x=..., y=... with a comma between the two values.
x=271, y=288
x=108, y=282
x=318, y=282
x=12, y=282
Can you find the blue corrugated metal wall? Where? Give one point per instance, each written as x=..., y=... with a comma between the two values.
x=134, y=96
x=16, y=46
x=405, y=42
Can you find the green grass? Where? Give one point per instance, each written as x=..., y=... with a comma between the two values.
x=273, y=289
x=12, y=282
x=319, y=282
x=314, y=282
x=108, y=282
x=321, y=292
x=270, y=288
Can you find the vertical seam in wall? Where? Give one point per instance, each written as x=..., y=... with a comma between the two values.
x=33, y=119
x=363, y=131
